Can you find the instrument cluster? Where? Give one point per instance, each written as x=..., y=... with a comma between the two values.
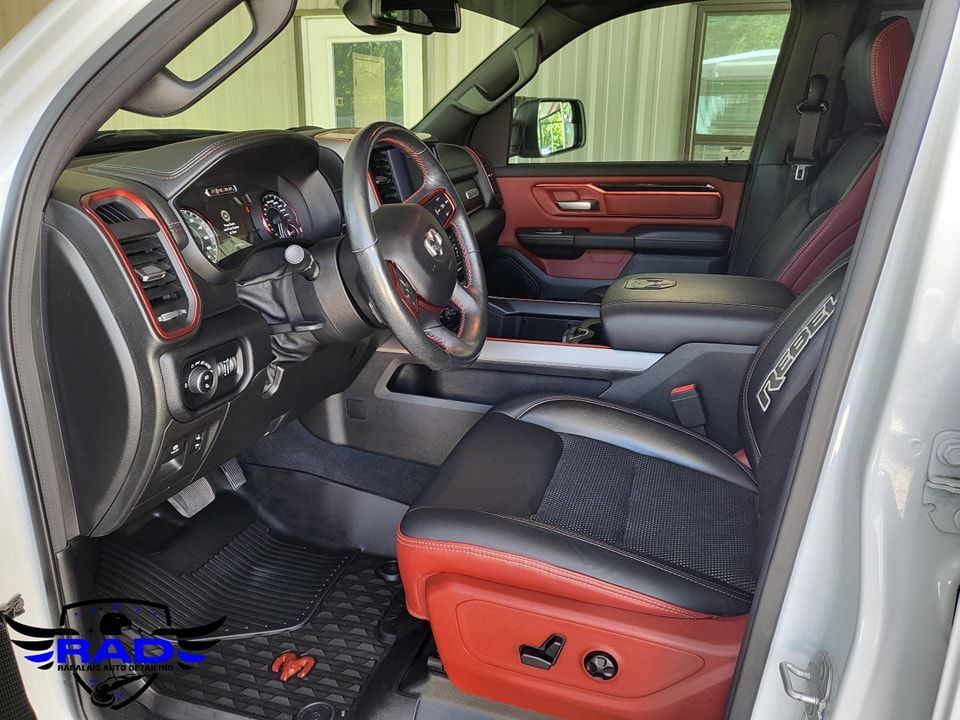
x=224, y=220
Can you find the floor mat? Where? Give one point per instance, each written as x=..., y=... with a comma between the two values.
x=341, y=636
x=295, y=448
x=261, y=583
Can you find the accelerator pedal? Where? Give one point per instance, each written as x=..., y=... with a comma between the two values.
x=234, y=474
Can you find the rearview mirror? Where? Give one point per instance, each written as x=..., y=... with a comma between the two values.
x=419, y=16
x=546, y=126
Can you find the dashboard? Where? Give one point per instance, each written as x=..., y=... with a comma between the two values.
x=148, y=254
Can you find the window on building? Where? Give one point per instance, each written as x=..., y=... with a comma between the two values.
x=676, y=83
x=737, y=51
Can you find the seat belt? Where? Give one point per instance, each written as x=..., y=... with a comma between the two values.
x=688, y=405
x=811, y=110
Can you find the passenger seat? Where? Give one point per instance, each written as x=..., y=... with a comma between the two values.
x=822, y=221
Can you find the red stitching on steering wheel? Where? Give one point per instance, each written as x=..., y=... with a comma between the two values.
x=413, y=155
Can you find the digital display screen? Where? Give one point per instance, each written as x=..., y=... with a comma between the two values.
x=230, y=215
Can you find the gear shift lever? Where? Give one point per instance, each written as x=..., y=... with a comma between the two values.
x=302, y=261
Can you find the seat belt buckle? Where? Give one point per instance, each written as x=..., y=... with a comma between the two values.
x=800, y=171
x=688, y=406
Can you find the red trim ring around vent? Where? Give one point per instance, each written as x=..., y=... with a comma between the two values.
x=89, y=204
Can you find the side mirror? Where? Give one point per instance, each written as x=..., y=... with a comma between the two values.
x=546, y=126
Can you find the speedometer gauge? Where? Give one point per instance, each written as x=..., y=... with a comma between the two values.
x=203, y=234
x=279, y=218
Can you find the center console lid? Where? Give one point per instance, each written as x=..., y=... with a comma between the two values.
x=659, y=313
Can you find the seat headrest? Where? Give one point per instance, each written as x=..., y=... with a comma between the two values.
x=875, y=66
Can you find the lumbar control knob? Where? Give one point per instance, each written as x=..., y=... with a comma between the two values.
x=201, y=380
x=600, y=666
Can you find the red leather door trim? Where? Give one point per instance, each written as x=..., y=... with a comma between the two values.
x=658, y=204
x=527, y=204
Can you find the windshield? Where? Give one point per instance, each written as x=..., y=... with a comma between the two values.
x=322, y=71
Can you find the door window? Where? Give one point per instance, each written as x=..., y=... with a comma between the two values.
x=677, y=83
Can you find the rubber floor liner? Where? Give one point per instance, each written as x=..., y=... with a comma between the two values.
x=341, y=636
x=261, y=583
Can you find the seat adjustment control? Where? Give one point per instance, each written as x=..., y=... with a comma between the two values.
x=545, y=656
x=600, y=665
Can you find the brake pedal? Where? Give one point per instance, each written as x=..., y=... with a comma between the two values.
x=193, y=498
x=234, y=474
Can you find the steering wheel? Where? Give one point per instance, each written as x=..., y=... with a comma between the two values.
x=407, y=260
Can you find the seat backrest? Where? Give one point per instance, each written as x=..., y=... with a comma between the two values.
x=776, y=388
x=823, y=220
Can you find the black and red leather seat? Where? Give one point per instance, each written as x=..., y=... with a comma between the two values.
x=622, y=533
x=618, y=531
x=822, y=221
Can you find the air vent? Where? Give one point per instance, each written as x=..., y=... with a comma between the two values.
x=488, y=171
x=113, y=212
x=151, y=258
x=383, y=177
x=156, y=276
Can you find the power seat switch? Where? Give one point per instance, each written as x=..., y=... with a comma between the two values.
x=600, y=665
x=545, y=656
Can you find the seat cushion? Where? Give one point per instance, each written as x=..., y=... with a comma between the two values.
x=604, y=493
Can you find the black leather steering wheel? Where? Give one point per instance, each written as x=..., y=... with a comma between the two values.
x=407, y=260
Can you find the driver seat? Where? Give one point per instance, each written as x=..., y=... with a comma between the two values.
x=586, y=560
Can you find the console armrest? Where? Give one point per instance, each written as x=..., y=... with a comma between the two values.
x=658, y=313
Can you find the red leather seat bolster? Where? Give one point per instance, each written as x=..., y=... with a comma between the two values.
x=421, y=559
x=833, y=237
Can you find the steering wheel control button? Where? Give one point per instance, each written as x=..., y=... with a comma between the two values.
x=543, y=656
x=600, y=666
x=440, y=206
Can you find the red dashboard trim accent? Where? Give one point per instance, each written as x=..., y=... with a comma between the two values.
x=87, y=203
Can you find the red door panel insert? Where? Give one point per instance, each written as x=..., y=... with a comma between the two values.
x=530, y=202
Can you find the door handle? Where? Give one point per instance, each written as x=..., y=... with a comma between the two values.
x=580, y=205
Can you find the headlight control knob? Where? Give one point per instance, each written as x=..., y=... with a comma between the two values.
x=201, y=380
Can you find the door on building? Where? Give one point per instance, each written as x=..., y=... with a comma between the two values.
x=351, y=79
x=369, y=88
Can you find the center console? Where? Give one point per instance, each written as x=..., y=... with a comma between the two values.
x=651, y=335
x=661, y=313
x=574, y=323
x=651, y=314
